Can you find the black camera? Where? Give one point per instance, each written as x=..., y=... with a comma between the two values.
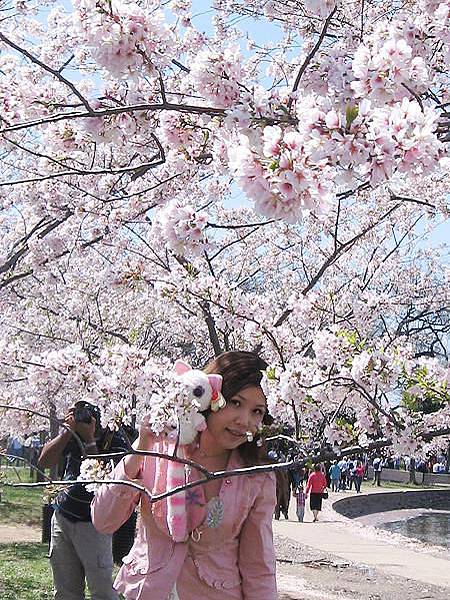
x=82, y=414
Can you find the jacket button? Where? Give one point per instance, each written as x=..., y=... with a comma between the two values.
x=228, y=481
x=218, y=585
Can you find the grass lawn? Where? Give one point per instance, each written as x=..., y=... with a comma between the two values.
x=24, y=567
x=25, y=572
x=20, y=505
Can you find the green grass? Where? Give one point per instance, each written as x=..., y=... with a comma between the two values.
x=25, y=572
x=20, y=505
x=24, y=567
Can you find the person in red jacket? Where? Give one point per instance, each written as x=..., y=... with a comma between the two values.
x=315, y=487
x=359, y=476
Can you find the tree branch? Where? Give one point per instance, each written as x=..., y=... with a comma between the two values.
x=54, y=72
x=310, y=56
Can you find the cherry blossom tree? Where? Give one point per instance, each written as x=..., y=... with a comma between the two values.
x=168, y=192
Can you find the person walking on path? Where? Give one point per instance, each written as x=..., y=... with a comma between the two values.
x=359, y=475
x=283, y=489
x=335, y=475
x=316, y=486
x=377, y=466
x=301, y=499
x=351, y=474
x=343, y=466
x=227, y=552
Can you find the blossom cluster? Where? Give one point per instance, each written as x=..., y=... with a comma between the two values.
x=322, y=8
x=218, y=75
x=184, y=135
x=123, y=382
x=122, y=37
x=94, y=469
x=291, y=171
x=182, y=227
x=386, y=67
x=276, y=174
x=347, y=391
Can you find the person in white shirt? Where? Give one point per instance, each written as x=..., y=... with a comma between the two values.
x=377, y=466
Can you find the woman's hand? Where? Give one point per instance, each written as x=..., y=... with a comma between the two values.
x=146, y=438
x=145, y=441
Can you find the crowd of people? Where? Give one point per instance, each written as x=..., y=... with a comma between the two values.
x=434, y=463
x=337, y=476
x=23, y=453
x=342, y=475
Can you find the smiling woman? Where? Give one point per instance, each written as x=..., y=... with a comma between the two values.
x=242, y=373
x=228, y=551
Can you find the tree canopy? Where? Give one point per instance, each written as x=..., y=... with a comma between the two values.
x=168, y=191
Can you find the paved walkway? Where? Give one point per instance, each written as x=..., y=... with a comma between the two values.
x=336, y=535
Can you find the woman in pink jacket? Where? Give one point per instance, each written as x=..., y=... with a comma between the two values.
x=228, y=553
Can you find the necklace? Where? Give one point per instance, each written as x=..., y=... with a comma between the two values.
x=214, y=508
x=202, y=454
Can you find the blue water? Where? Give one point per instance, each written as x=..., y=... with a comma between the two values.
x=433, y=528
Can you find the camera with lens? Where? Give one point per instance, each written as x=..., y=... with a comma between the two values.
x=83, y=414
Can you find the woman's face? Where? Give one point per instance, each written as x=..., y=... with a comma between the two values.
x=242, y=413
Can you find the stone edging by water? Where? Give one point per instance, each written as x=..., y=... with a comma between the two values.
x=358, y=506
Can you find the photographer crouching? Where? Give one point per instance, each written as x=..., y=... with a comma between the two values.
x=78, y=552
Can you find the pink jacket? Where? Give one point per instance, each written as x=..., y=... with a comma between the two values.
x=236, y=561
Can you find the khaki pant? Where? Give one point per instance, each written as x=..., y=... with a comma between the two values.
x=79, y=551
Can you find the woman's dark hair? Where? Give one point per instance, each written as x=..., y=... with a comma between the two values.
x=317, y=467
x=239, y=370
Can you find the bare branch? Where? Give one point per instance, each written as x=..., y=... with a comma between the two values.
x=311, y=56
x=338, y=251
x=117, y=110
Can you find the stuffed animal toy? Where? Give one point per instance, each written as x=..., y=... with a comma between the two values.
x=203, y=392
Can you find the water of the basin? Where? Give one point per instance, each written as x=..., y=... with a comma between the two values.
x=431, y=528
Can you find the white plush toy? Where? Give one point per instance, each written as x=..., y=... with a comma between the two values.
x=203, y=392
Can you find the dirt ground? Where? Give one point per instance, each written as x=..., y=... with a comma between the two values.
x=304, y=573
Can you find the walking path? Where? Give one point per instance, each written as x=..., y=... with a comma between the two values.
x=19, y=533
x=339, y=536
